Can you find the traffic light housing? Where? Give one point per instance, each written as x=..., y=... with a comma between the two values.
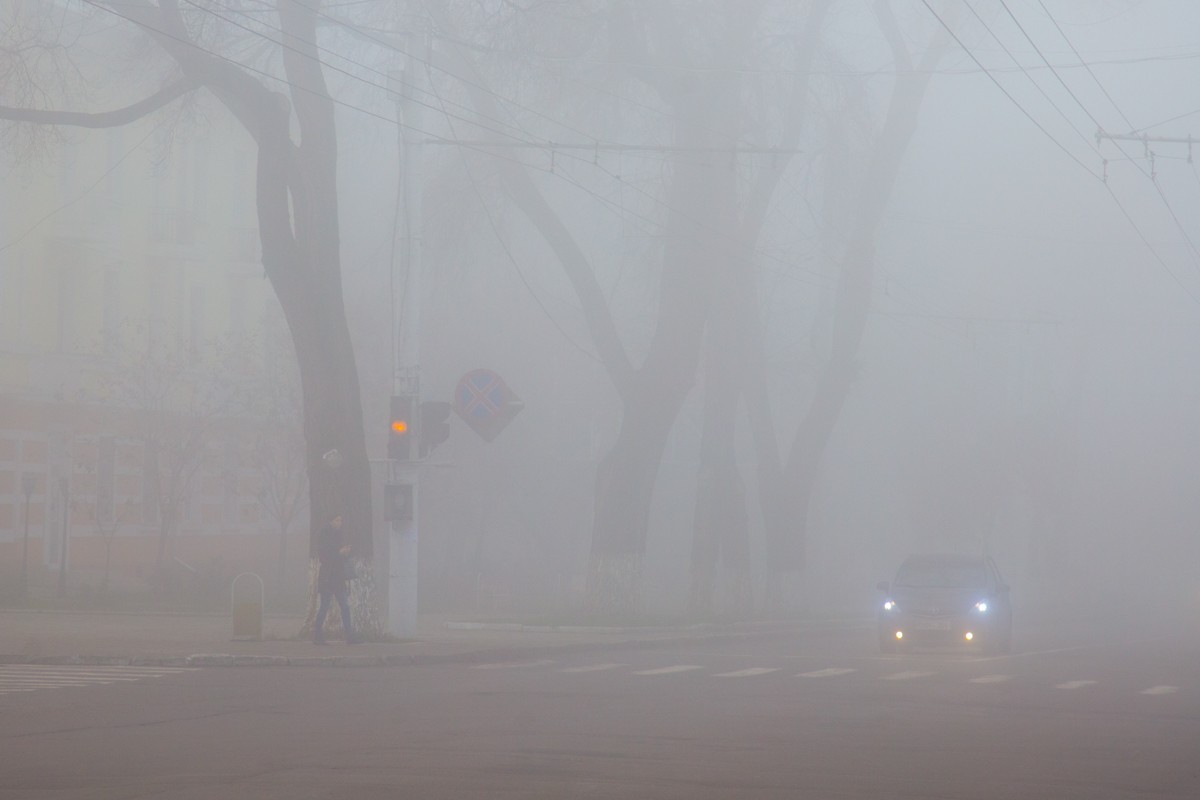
x=435, y=425
x=400, y=428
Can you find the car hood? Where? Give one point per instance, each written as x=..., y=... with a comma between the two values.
x=935, y=601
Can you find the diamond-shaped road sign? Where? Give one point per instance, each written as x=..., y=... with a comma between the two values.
x=483, y=400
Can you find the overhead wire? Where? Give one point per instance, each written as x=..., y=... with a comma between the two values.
x=562, y=175
x=1008, y=94
x=1149, y=175
x=1087, y=139
x=283, y=80
x=1158, y=257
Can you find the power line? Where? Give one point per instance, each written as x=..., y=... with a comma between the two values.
x=1008, y=94
x=1036, y=85
x=1084, y=63
x=1107, y=186
x=1149, y=175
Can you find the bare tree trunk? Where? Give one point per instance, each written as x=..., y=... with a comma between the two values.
x=793, y=493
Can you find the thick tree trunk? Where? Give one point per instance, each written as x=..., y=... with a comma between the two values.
x=625, y=482
x=794, y=491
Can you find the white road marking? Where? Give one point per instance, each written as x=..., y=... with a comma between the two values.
x=669, y=670
x=747, y=673
x=85, y=668
x=908, y=676
x=1028, y=653
x=826, y=673
x=1160, y=690
x=991, y=679
x=1074, y=684
x=514, y=664
x=592, y=668
x=30, y=677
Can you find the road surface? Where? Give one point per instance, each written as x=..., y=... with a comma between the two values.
x=810, y=714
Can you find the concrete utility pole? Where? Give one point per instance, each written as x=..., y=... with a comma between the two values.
x=402, y=534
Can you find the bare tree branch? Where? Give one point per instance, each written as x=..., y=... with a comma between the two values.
x=103, y=119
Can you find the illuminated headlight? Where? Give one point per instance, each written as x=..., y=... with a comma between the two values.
x=899, y=634
x=981, y=606
x=969, y=636
x=889, y=605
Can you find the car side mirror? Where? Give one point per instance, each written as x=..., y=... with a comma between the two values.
x=882, y=586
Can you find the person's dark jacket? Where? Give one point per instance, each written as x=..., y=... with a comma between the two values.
x=333, y=573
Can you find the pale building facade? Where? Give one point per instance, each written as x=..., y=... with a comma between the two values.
x=131, y=294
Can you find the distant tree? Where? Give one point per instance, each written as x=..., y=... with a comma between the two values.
x=176, y=407
x=786, y=484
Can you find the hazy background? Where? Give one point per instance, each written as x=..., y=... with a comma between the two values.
x=1026, y=384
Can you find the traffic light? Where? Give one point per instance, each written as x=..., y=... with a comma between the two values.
x=435, y=425
x=400, y=428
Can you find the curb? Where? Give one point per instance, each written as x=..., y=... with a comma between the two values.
x=480, y=656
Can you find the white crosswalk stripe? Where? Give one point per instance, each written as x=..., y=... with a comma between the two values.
x=80, y=675
x=908, y=675
x=514, y=664
x=827, y=673
x=669, y=670
x=992, y=679
x=31, y=677
x=747, y=673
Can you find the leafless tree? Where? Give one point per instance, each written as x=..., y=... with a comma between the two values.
x=296, y=195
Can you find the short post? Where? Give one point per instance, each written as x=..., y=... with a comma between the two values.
x=247, y=606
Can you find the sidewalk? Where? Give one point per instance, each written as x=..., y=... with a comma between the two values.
x=72, y=637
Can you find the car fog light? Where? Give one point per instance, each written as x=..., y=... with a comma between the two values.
x=970, y=636
x=899, y=634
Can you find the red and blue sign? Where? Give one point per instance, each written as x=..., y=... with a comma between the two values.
x=483, y=400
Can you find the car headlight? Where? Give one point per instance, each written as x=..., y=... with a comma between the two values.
x=889, y=605
x=981, y=606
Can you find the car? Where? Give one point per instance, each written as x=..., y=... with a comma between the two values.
x=946, y=600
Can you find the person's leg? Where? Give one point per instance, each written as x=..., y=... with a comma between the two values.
x=322, y=610
x=343, y=598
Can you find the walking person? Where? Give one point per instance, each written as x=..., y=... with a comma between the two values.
x=331, y=579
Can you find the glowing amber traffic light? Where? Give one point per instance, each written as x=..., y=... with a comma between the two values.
x=400, y=428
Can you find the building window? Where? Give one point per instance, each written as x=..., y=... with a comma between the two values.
x=106, y=457
x=196, y=322
x=112, y=311
x=66, y=309
x=150, y=499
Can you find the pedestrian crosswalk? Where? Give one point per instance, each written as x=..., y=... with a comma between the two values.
x=32, y=677
x=952, y=674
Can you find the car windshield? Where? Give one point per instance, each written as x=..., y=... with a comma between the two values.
x=941, y=575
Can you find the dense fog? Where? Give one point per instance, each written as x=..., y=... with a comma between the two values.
x=788, y=291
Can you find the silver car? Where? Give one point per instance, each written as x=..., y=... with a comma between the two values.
x=957, y=601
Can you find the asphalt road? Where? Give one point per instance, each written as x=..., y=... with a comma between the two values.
x=817, y=714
